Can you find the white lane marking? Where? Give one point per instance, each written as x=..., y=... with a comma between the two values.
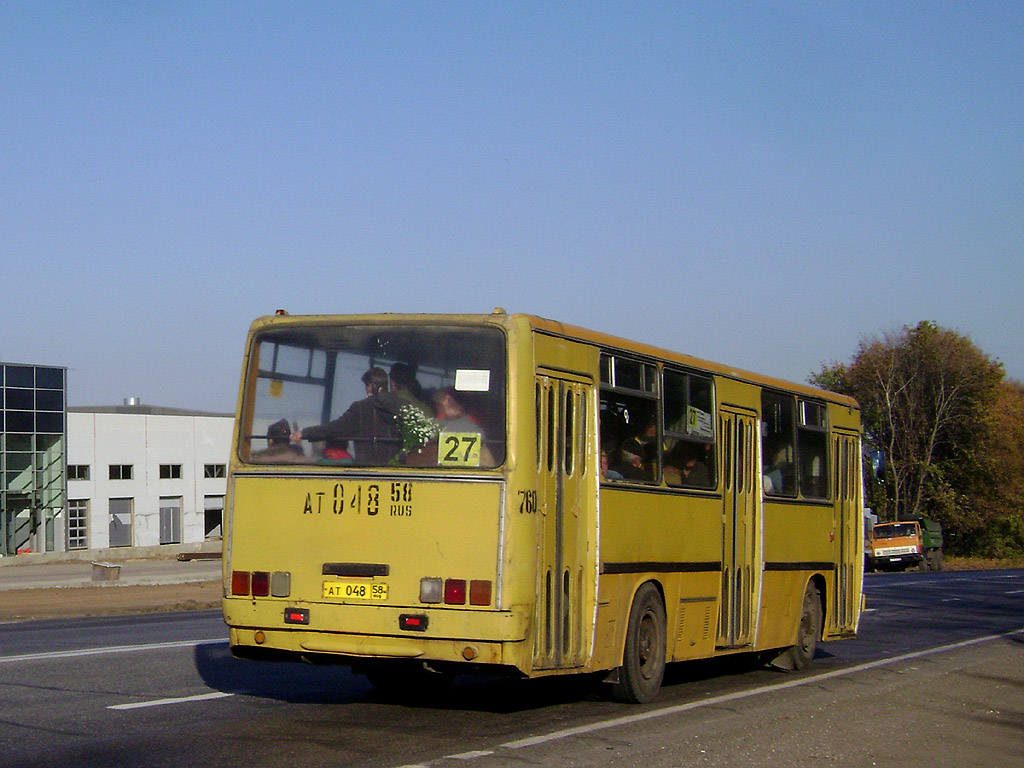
x=666, y=711
x=110, y=649
x=177, y=700
x=640, y=717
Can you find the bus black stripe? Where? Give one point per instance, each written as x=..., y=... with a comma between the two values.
x=807, y=566
x=661, y=567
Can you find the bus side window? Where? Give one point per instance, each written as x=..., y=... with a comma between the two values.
x=629, y=437
x=778, y=443
x=812, y=447
x=689, y=431
x=629, y=419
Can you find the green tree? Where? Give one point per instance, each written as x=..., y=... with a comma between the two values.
x=928, y=399
x=1000, y=501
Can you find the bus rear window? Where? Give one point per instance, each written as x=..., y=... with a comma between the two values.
x=376, y=396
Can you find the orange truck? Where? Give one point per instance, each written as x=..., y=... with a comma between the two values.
x=905, y=543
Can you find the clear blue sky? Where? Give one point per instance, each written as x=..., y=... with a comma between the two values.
x=762, y=184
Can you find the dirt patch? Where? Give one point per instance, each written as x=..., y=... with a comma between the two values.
x=106, y=600
x=953, y=563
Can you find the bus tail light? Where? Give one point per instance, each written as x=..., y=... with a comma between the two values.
x=239, y=582
x=280, y=584
x=480, y=592
x=430, y=590
x=455, y=591
x=260, y=584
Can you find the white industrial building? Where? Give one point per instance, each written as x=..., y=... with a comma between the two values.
x=88, y=479
x=143, y=476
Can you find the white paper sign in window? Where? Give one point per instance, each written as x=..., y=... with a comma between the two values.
x=470, y=380
x=699, y=423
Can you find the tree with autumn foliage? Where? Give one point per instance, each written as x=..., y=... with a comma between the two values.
x=948, y=423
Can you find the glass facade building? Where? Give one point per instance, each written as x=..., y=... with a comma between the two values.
x=33, y=447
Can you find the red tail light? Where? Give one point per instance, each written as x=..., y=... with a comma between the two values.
x=260, y=583
x=239, y=582
x=455, y=591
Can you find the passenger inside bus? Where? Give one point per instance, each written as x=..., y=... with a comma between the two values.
x=686, y=466
x=451, y=413
x=640, y=453
x=779, y=478
x=607, y=473
x=279, y=448
x=369, y=423
x=452, y=417
x=405, y=386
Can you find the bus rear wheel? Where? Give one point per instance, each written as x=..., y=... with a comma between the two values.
x=808, y=632
x=643, y=661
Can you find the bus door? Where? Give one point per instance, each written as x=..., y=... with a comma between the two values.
x=849, y=535
x=565, y=485
x=741, y=530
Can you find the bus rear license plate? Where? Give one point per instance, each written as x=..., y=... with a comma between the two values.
x=355, y=590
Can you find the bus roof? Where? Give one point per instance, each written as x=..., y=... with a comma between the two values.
x=555, y=328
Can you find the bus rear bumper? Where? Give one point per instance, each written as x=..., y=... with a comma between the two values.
x=340, y=648
x=343, y=633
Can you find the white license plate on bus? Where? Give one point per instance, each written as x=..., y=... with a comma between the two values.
x=355, y=590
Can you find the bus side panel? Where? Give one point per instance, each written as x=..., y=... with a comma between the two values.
x=674, y=540
x=798, y=543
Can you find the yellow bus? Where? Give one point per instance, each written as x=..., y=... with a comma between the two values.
x=419, y=496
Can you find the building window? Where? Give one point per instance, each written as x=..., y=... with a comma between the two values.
x=215, y=470
x=120, y=522
x=78, y=471
x=120, y=471
x=170, y=471
x=78, y=523
x=170, y=519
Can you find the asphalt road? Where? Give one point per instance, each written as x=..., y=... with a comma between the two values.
x=936, y=678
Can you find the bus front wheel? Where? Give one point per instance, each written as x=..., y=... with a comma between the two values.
x=643, y=661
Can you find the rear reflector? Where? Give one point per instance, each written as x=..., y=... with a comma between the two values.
x=414, y=622
x=239, y=582
x=296, y=616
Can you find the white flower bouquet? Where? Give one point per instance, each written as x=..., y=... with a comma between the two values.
x=415, y=427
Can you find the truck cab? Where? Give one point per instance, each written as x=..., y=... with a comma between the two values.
x=898, y=545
